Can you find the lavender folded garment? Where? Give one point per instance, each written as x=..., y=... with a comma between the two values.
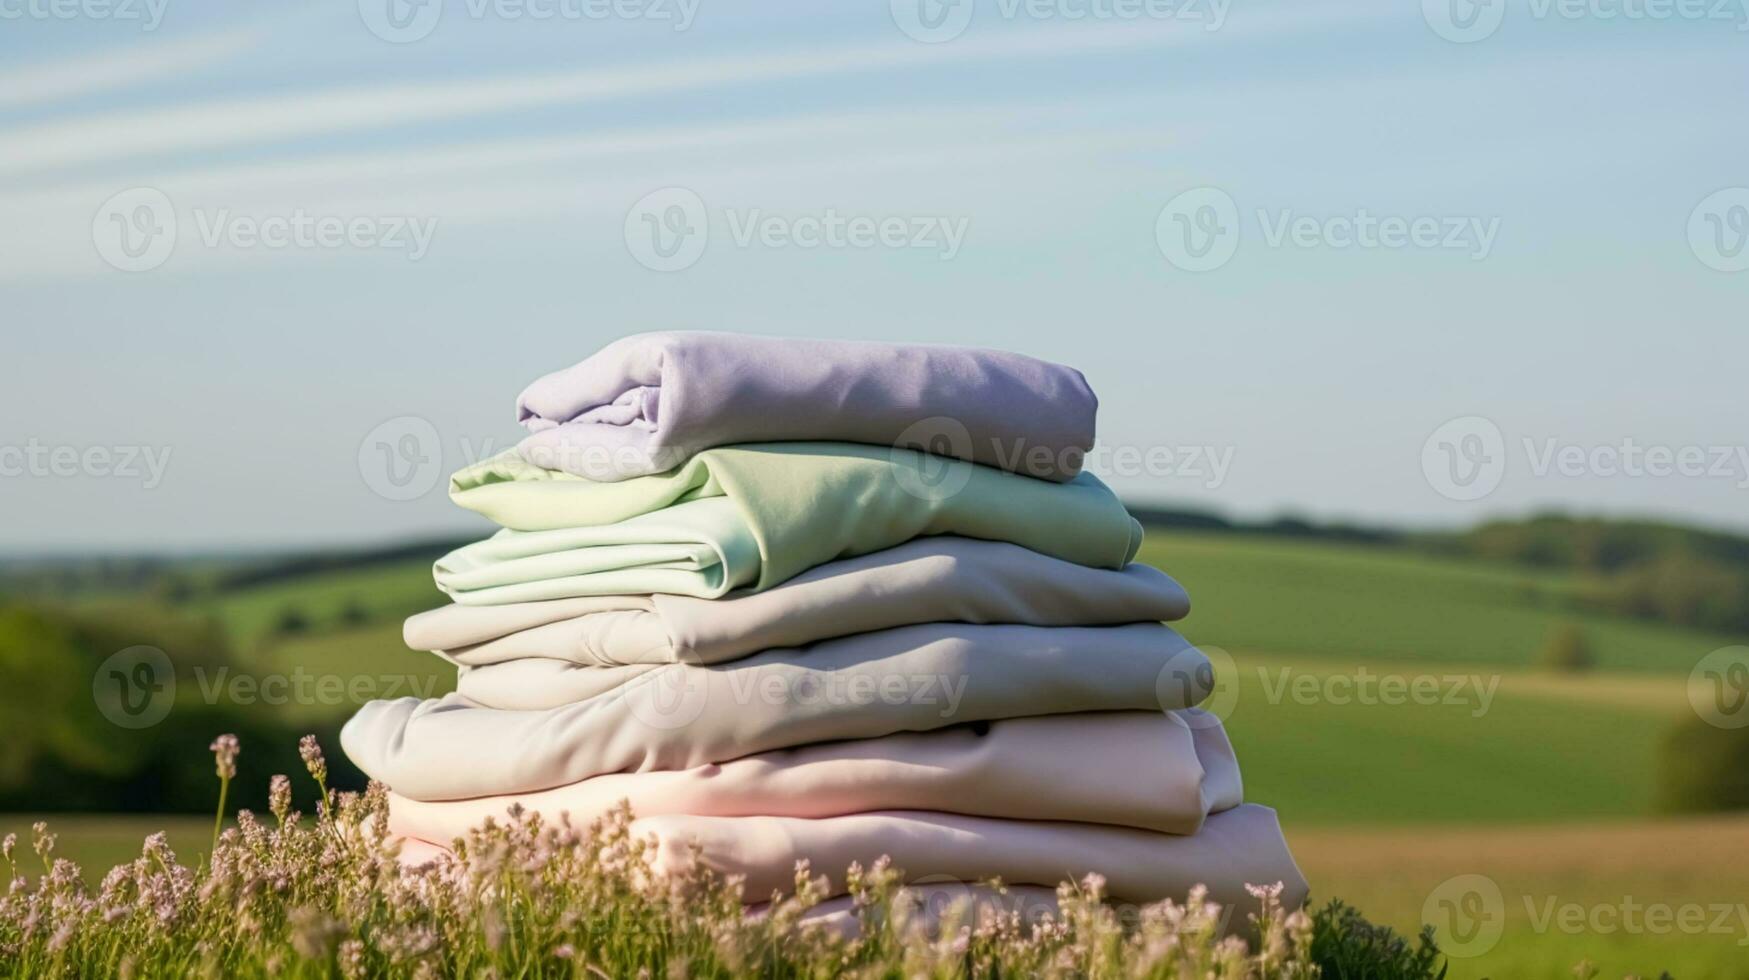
x=678, y=716
x=1153, y=770
x=1235, y=848
x=646, y=403
x=929, y=580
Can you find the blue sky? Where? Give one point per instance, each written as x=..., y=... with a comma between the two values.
x=1571, y=159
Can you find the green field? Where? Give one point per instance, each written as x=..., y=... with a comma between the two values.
x=1545, y=787
x=1352, y=603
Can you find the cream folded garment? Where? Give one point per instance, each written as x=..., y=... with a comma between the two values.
x=755, y=516
x=677, y=716
x=1155, y=770
x=1234, y=848
x=929, y=580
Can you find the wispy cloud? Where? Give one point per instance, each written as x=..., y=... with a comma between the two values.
x=244, y=121
x=141, y=61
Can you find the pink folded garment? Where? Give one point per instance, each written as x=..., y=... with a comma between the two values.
x=1241, y=846
x=1153, y=770
x=646, y=403
x=935, y=579
x=678, y=716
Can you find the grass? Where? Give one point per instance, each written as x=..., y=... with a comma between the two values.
x=1546, y=748
x=387, y=592
x=1547, y=791
x=1355, y=603
x=282, y=897
x=1697, y=861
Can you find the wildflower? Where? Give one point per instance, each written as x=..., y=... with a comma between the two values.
x=224, y=749
x=279, y=797
x=352, y=959
x=9, y=845
x=311, y=752
x=42, y=841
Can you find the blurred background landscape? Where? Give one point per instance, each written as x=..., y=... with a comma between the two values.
x=1464, y=512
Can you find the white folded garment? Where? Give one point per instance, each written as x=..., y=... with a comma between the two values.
x=678, y=716
x=928, y=580
x=1153, y=770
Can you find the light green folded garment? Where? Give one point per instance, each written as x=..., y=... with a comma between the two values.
x=700, y=548
x=795, y=506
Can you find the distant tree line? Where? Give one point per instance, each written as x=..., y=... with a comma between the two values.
x=1648, y=570
x=62, y=693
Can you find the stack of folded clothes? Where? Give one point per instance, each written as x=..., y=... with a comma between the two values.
x=826, y=601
